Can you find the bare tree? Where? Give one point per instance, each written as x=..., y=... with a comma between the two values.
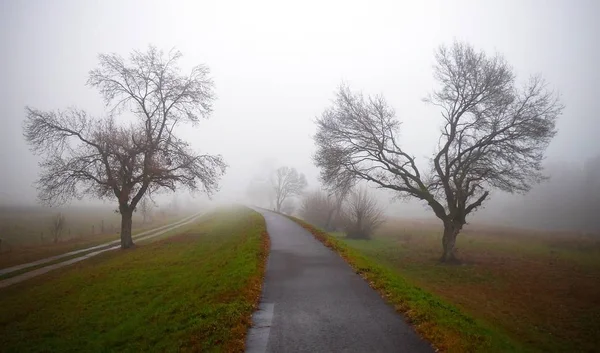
x=317, y=208
x=323, y=209
x=361, y=215
x=146, y=208
x=337, y=198
x=286, y=182
x=56, y=226
x=494, y=135
x=99, y=157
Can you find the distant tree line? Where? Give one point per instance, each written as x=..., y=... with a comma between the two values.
x=351, y=210
x=355, y=212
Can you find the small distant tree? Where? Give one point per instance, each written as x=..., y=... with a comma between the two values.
x=286, y=182
x=83, y=155
x=146, y=208
x=361, y=215
x=337, y=198
x=316, y=207
x=493, y=136
x=57, y=226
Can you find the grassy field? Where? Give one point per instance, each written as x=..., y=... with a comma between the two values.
x=516, y=291
x=194, y=291
x=30, y=225
x=21, y=229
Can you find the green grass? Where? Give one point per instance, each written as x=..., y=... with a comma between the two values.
x=539, y=287
x=438, y=321
x=165, y=235
x=517, y=290
x=194, y=291
x=29, y=249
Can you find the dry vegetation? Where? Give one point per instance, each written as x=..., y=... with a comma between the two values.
x=26, y=231
x=192, y=292
x=516, y=290
x=542, y=288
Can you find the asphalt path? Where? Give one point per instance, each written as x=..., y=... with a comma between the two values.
x=313, y=301
x=87, y=253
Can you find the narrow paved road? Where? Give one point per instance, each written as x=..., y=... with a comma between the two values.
x=313, y=301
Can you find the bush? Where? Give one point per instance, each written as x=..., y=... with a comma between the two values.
x=361, y=215
x=318, y=209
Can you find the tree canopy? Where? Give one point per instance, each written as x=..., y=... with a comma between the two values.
x=494, y=134
x=106, y=158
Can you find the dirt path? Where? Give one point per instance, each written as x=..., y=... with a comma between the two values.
x=75, y=252
x=85, y=253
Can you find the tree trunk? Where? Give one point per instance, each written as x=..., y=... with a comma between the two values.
x=126, y=220
x=449, y=241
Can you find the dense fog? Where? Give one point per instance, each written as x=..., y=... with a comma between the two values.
x=276, y=67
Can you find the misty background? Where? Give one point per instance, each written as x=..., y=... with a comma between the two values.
x=277, y=64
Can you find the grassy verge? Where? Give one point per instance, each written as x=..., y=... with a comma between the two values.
x=81, y=254
x=541, y=288
x=30, y=253
x=194, y=291
x=447, y=327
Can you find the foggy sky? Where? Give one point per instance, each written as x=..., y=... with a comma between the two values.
x=277, y=64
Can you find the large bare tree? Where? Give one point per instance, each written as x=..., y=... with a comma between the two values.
x=83, y=155
x=286, y=182
x=494, y=135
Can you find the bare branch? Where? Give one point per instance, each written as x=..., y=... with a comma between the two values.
x=82, y=155
x=494, y=135
x=361, y=215
x=286, y=182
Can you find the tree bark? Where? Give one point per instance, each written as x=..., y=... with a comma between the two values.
x=449, y=241
x=278, y=205
x=126, y=221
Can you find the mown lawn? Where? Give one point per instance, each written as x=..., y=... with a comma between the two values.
x=516, y=291
x=194, y=291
